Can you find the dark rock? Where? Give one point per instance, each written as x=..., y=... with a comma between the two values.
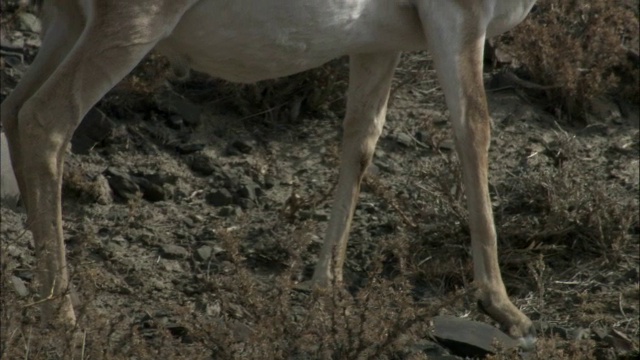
x=172, y=103
x=94, y=128
x=246, y=204
x=122, y=184
x=318, y=215
x=207, y=234
x=189, y=148
x=220, y=197
x=175, y=122
x=240, y=147
x=469, y=338
x=13, y=50
x=230, y=211
x=422, y=136
x=14, y=60
x=621, y=342
x=174, y=251
x=179, y=331
x=203, y=164
x=150, y=190
x=159, y=178
x=270, y=182
x=25, y=275
x=250, y=190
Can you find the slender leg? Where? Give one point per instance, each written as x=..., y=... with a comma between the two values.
x=456, y=40
x=111, y=43
x=55, y=45
x=369, y=84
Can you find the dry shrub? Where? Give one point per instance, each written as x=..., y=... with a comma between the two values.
x=582, y=49
x=565, y=210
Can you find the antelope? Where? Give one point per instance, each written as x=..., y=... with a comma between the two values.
x=90, y=45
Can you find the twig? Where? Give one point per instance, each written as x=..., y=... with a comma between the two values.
x=49, y=297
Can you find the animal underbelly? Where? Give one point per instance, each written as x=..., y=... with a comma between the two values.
x=248, y=40
x=240, y=61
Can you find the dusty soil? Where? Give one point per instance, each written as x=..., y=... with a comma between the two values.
x=188, y=226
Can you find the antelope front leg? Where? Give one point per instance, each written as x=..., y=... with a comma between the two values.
x=55, y=46
x=369, y=84
x=50, y=255
x=457, y=47
x=71, y=74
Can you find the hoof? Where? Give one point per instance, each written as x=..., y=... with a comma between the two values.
x=512, y=322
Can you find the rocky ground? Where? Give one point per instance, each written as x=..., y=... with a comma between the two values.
x=188, y=227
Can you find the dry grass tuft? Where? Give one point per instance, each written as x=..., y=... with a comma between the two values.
x=581, y=49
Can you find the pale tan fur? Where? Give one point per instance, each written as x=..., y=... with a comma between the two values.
x=90, y=45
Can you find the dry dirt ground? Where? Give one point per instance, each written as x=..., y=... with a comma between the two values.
x=188, y=226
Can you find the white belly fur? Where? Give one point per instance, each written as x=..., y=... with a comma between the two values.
x=252, y=40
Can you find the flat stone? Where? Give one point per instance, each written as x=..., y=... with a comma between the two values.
x=230, y=211
x=241, y=146
x=122, y=184
x=404, y=139
x=220, y=197
x=189, y=148
x=174, y=251
x=171, y=265
x=12, y=44
x=19, y=286
x=470, y=338
x=174, y=104
x=203, y=253
x=150, y=191
x=29, y=22
x=447, y=145
x=318, y=215
x=203, y=164
x=249, y=190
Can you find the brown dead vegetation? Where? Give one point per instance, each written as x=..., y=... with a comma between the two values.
x=580, y=50
x=567, y=230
